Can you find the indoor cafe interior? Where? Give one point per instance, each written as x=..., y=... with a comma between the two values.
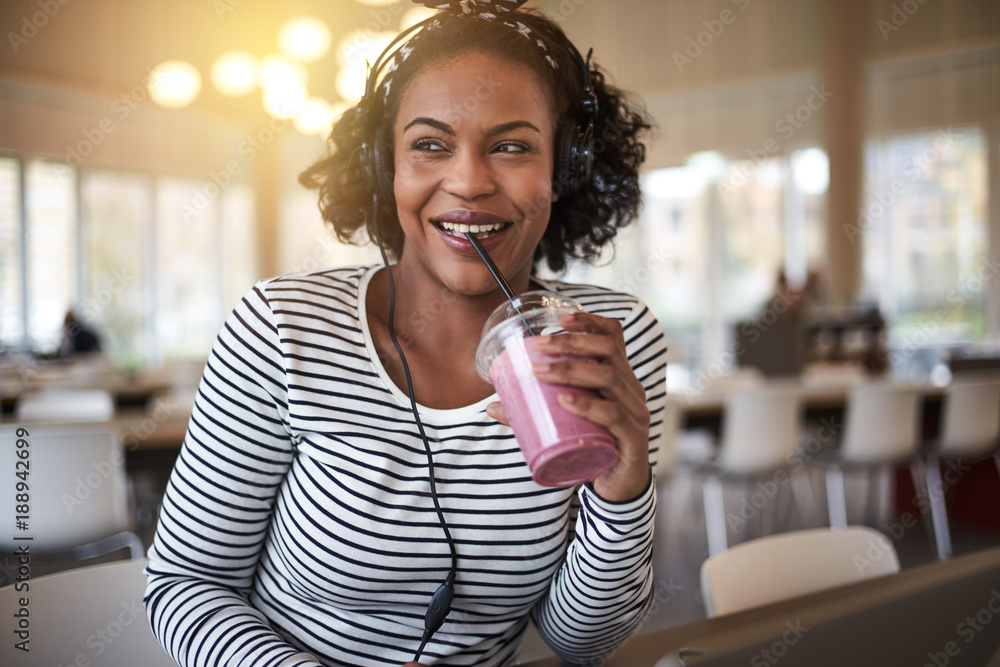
x=818, y=238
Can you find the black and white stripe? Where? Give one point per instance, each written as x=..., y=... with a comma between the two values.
x=298, y=521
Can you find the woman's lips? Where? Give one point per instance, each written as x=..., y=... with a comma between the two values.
x=453, y=225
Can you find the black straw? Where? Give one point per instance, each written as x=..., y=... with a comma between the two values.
x=488, y=261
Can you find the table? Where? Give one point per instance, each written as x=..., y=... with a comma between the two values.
x=900, y=619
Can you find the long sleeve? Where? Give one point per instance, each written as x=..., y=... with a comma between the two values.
x=219, y=504
x=603, y=590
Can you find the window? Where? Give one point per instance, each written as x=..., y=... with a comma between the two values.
x=306, y=242
x=711, y=239
x=116, y=216
x=52, y=251
x=239, y=243
x=139, y=257
x=188, y=271
x=926, y=237
x=11, y=309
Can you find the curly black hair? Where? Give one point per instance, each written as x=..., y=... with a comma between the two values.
x=582, y=221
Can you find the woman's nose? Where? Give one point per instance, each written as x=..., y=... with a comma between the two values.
x=470, y=175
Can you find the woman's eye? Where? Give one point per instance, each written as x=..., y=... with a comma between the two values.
x=514, y=147
x=426, y=146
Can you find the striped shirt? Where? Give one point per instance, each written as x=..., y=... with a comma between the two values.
x=298, y=526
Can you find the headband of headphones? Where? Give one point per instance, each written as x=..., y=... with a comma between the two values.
x=391, y=58
x=574, y=143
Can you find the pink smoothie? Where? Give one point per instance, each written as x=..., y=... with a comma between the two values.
x=562, y=449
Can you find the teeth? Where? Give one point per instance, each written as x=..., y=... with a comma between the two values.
x=475, y=229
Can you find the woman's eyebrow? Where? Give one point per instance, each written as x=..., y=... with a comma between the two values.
x=436, y=124
x=492, y=132
x=507, y=127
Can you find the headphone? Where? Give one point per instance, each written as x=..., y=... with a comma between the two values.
x=574, y=146
x=573, y=163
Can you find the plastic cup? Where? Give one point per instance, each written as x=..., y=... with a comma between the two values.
x=561, y=449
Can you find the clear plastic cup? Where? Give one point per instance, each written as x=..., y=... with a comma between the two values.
x=562, y=449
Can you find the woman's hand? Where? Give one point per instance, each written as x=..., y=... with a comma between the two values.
x=622, y=403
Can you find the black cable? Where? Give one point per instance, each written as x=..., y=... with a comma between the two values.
x=440, y=603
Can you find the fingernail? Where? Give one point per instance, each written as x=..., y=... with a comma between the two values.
x=543, y=368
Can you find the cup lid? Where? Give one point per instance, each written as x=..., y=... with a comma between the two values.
x=532, y=313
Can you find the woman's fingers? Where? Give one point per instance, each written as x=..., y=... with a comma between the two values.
x=496, y=411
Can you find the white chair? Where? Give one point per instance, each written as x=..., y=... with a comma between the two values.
x=778, y=567
x=76, y=490
x=882, y=430
x=760, y=430
x=65, y=405
x=92, y=615
x=665, y=456
x=970, y=431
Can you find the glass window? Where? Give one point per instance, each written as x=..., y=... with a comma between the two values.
x=52, y=250
x=116, y=219
x=306, y=242
x=189, y=309
x=753, y=236
x=663, y=257
x=925, y=235
x=240, y=242
x=11, y=324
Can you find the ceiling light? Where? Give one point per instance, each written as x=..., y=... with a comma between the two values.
x=318, y=116
x=174, y=84
x=276, y=71
x=415, y=16
x=285, y=101
x=355, y=53
x=235, y=73
x=304, y=38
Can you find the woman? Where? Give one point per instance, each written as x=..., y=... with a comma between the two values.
x=299, y=526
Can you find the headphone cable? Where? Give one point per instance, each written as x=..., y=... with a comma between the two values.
x=440, y=603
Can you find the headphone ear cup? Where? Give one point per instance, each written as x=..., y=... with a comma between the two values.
x=565, y=180
x=382, y=165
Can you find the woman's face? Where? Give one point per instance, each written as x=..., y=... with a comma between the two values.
x=474, y=140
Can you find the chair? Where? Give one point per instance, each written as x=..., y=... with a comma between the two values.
x=882, y=430
x=92, y=615
x=778, y=567
x=665, y=456
x=970, y=431
x=76, y=490
x=65, y=405
x=760, y=430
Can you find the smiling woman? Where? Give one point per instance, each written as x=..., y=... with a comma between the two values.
x=344, y=457
x=455, y=171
